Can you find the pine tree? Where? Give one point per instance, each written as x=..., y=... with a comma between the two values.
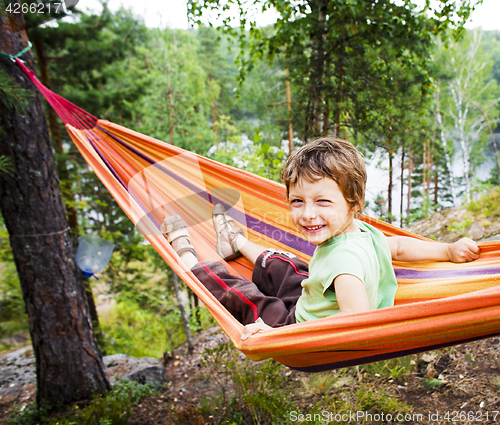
x=68, y=362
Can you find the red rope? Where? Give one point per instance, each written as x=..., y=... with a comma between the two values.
x=67, y=111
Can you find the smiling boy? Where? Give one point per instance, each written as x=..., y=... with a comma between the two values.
x=351, y=269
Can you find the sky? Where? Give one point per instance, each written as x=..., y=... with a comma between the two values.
x=172, y=13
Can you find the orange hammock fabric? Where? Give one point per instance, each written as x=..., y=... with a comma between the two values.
x=437, y=304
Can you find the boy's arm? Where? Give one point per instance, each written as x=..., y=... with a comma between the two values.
x=253, y=328
x=351, y=294
x=411, y=249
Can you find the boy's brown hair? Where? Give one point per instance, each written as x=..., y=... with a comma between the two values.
x=333, y=158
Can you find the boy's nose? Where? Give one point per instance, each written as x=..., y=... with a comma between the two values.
x=309, y=212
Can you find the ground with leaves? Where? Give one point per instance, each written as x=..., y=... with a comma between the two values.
x=460, y=380
x=217, y=385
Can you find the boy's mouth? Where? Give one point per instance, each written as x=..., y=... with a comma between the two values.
x=313, y=229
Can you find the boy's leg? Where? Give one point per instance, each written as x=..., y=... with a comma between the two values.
x=284, y=273
x=231, y=240
x=250, y=250
x=280, y=274
x=175, y=230
x=242, y=298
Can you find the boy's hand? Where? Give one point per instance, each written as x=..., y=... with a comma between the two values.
x=463, y=251
x=253, y=328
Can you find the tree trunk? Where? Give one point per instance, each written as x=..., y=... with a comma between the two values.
x=172, y=109
x=289, y=111
x=212, y=109
x=389, y=188
x=340, y=76
x=436, y=188
x=68, y=362
x=185, y=321
x=424, y=173
x=492, y=136
x=439, y=121
x=402, y=186
x=316, y=113
x=410, y=171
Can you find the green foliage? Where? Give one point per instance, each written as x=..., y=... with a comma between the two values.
x=12, y=313
x=128, y=329
x=93, y=61
x=257, y=158
x=460, y=227
x=177, y=107
x=325, y=382
x=113, y=408
x=376, y=401
x=395, y=368
x=6, y=167
x=265, y=392
x=468, y=97
x=261, y=393
x=11, y=96
x=432, y=383
x=488, y=205
x=348, y=82
x=146, y=332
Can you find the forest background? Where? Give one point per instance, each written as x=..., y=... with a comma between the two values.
x=421, y=102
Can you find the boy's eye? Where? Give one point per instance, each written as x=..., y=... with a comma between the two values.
x=324, y=202
x=295, y=202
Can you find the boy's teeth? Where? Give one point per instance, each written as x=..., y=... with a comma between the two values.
x=314, y=227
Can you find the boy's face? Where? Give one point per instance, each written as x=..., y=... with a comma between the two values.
x=319, y=210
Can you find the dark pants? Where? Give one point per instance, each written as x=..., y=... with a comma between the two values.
x=272, y=294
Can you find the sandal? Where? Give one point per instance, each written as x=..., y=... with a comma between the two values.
x=175, y=230
x=226, y=232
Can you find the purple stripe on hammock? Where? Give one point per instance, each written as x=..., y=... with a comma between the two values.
x=113, y=171
x=450, y=273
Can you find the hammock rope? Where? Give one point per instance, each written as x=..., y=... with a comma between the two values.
x=437, y=304
x=19, y=54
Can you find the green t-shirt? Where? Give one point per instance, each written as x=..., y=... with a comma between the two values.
x=364, y=254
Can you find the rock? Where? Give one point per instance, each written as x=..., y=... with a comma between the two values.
x=115, y=359
x=452, y=224
x=17, y=369
x=145, y=370
x=475, y=231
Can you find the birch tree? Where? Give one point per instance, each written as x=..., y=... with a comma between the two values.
x=470, y=95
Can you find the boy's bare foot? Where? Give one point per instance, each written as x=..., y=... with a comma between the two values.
x=227, y=233
x=175, y=230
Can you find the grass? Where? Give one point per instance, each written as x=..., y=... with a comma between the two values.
x=322, y=383
x=433, y=383
x=391, y=369
x=113, y=408
x=488, y=204
x=460, y=227
x=137, y=332
x=268, y=393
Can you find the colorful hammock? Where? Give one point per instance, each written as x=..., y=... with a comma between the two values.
x=437, y=304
